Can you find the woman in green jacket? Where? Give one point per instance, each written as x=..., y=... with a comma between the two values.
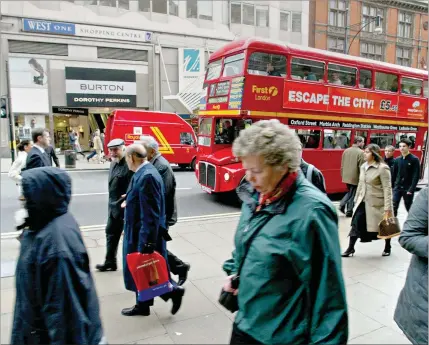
x=291, y=288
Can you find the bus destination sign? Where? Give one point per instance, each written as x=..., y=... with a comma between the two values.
x=349, y=125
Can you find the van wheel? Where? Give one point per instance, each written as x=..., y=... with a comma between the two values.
x=193, y=163
x=183, y=166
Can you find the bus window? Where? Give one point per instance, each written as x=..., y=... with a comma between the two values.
x=225, y=131
x=205, y=127
x=267, y=64
x=365, y=79
x=233, y=65
x=425, y=89
x=386, y=82
x=213, y=70
x=309, y=139
x=411, y=86
x=186, y=138
x=381, y=139
x=410, y=136
x=333, y=139
x=341, y=75
x=307, y=69
x=363, y=134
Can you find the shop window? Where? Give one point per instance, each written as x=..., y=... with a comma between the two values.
x=307, y=70
x=309, y=138
x=411, y=86
x=233, y=65
x=341, y=75
x=186, y=138
x=267, y=64
x=365, y=79
x=386, y=82
x=363, y=134
x=336, y=139
x=410, y=136
x=382, y=139
x=213, y=70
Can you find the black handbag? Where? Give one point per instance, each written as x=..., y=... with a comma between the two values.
x=227, y=299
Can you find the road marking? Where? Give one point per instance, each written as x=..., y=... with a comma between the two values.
x=105, y=193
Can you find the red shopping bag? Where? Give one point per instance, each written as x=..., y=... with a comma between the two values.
x=150, y=275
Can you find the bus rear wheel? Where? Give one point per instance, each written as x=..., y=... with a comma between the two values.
x=193, y=163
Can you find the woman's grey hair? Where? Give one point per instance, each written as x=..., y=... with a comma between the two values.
x=149, y=142
x=274, y=141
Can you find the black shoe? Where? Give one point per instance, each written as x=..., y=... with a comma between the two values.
x=348, y=252
x=349, y=214
x=343, y=210
x=176, y=297
x=106, y=267
x=183, y=273
x=136, y=310
x=386, y=252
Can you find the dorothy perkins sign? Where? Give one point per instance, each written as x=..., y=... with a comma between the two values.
x=95, y=87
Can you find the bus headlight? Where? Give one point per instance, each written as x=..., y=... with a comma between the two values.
x=226, y=177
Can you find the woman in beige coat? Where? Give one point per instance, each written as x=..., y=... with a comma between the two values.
x=373, y=201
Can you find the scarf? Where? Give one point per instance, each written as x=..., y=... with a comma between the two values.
x=282, y=188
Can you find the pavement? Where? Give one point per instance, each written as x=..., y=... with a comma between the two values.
x=81, y=164
x=373, y=284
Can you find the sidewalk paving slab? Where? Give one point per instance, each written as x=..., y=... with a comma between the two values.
x=372, y=283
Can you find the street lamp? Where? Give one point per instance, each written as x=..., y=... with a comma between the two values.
x=378, y=30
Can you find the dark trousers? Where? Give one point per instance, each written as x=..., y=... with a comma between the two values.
x=114, y=229
x=239, y=337
x=348, y=202
x=397, y=196
x=174, y=263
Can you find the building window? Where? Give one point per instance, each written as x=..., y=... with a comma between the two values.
x=296, y=22
x=173, y=6
x=405, y=24
x=403, y=56
x=201, y=9
x=337, y=12
x=192, y=8
x=236, y=13
x=109, y=3
x=159, y=6
x=248, y=14
x=124, y=4
x=372, y=51
x=144, y=5
x=336, y=44
x=262, y=16
x=284, y=20
x=368, y=14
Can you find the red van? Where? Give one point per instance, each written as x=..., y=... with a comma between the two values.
x=176, y=137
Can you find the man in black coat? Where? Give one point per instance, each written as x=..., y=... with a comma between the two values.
x=119, y=179
x=177, y=266
x=37, y=157
x=388, y=156
x=405, y=176
x=56, y=300
x=50, y=151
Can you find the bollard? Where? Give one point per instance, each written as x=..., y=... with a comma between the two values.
x=70, y=159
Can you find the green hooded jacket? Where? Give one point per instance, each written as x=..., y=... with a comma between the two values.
x=291, y=285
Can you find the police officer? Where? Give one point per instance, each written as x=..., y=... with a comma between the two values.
x=119, y=178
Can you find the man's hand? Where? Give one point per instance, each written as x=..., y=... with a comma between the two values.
x=387, y=215
x=124, y=203
x=409, y=193
x=148, y=248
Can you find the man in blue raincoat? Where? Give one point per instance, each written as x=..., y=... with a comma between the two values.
x=145, y=224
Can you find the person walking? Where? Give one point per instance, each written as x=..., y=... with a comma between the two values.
x=388, y=156
x=98, y=147
x=50, y=151
x=177, y=266
x=56, y=301
x=351, y=162
x=145, y=224
x=72, y=138
x=18, y=165
x=102, y=137
x=287, y=253
x=405, y=176
x=37, y=157
x=373, y=201
x=119, y=179
x=77, y=146
x=411, y=314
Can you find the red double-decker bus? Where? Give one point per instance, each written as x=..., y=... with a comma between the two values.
x=328, y=98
